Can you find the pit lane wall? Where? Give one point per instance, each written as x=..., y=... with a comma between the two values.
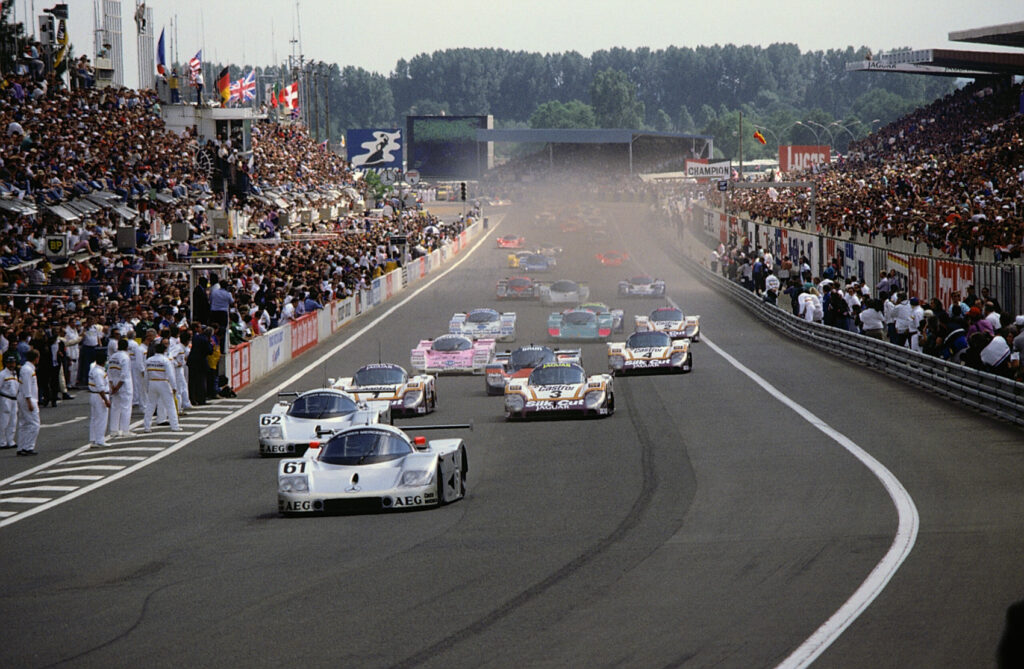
x=924, y=275
x=984, y=392
x=254, y=359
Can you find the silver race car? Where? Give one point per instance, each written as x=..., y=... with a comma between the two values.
x=649, y=352
x=484, y=323
x=559, y=388
x=563, y=292
x=641, y=286
x=290, y=426
x=373, y=468
x=388, y=386
x=671, y=321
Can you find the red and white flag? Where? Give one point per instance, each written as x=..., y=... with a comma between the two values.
x=290, y=95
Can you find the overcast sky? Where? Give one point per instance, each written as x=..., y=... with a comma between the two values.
x=375, y=35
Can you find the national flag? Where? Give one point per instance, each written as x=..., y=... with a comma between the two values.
x=161, y=59
x=195, y=65
x=273, y=99
x=323, y=145
x=247, y=87
x=290, y=96
x=294, y=113
x=277, y=95
x=759, y=137
x=62, y=40
x=224, y=85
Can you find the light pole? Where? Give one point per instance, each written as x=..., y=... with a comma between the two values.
x=831, y=140
x=840, y=125
x=801, y=123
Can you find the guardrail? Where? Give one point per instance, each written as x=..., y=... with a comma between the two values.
x=987, y=393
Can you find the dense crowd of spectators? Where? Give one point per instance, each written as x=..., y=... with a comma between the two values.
x=971, y=329
x=61, y=145
x=948, y=176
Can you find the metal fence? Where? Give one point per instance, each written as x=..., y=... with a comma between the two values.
x=987, y=393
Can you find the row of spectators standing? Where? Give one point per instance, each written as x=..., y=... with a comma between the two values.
x=972, y=329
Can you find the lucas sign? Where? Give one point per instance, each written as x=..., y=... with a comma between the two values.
x=798, y=158
x=703, y=170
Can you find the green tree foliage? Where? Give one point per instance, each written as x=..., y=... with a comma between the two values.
x=614, y=100
x=12, y=35
x=554, y=114
x=360, y=99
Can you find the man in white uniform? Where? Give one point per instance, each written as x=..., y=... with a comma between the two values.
x=119, y=374
x=28, y=405
x=99, y=400
x=72, y=338
x=138, y=353
x=9, y=400
x=160, y=393
x=178, y=354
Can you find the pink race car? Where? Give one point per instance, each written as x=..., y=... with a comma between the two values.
x=452, y=354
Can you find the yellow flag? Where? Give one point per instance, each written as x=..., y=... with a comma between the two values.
x=62, y=39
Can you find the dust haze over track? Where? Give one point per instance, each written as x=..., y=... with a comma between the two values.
x=701, y=524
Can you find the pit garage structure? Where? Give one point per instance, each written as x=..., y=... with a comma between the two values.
x=650, y=149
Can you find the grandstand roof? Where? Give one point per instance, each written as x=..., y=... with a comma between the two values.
x=1006, y=34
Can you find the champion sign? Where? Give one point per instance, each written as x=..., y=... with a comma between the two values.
x=702, y=170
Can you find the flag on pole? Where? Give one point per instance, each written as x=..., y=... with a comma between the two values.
x=247, y=87
x=759, y=137
x=224, y=86
x=290, y=96
x=161, y=59
x=62, y=40
x=323, y=145
x=195, y=66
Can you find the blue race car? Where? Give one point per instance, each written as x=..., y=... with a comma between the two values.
x=536, y=262
x=580, y=324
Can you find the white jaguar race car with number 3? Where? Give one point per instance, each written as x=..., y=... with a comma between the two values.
x=650, y=352
x=557, y=388
x=373, y=468
x=290, y=426
x=388, y=386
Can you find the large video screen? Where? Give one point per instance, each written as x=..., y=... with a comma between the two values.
x=446, y=146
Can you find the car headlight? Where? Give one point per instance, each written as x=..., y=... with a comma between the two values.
x=293, y=483
x=514, y=402
x=594, y=399
x=415, y=478
x=677, y=358
x=271, y=432
x=413, y=399
x=616, y=361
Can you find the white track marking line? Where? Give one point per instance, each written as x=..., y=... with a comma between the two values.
x=902, y=543
x=127, y=458
x=26, y=500
x=248, y=404
x=111, y=468
x=79, y=477
x=40, y=488
x=6, y=514
x=64, y=422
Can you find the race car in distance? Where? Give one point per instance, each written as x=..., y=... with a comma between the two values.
x=580, y=324
x=291, y=425
x=535, y=262
x=559, y=388
x=373, y=468
x=563, y=292
x=511, y=242
x=642, y=286
x=515, y=256
x=517, y=288
x=452, y=354
x=671, y=321
x=484, y=323
x=612, y=258
x=519, y=363
x=549, y=250
x=385, y=385
x=650, y=351
x=602, y=308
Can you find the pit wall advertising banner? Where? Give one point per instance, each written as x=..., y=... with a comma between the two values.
x=701, y=169
x=796, y=158
x=375, y=148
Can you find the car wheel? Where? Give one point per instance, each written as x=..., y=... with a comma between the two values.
x=464, y=471
x=688, y=367
x=440, y=486
x=611, y=404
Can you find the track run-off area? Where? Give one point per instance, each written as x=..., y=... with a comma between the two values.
x=775, y=506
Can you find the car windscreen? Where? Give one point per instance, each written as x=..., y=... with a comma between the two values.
x=597, y=308
x=451, y=344
x=536, y=259
x=667, y=315
x=482, y=316
x=563, y=287
x=364, y=447
x=648, y=340
x=525, y=358
x=385, y=375
x=519, y=283
x=579, y=318
x=641, y=280
x=321, y=405
x=559, y=375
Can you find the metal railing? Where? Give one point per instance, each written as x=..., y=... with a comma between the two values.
x=987, y=393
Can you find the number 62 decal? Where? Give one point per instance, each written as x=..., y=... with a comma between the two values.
x=270, y=419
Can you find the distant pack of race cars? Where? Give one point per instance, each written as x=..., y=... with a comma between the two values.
x=342, y=453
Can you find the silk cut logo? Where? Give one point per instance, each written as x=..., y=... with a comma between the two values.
x=379, y=150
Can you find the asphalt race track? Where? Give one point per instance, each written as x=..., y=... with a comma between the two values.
x=704, y=524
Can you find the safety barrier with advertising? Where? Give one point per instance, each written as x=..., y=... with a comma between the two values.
x=304, y=334
x=924, y=276
x=241, y=369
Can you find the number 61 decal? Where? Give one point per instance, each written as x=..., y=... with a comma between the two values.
x=293, y=467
